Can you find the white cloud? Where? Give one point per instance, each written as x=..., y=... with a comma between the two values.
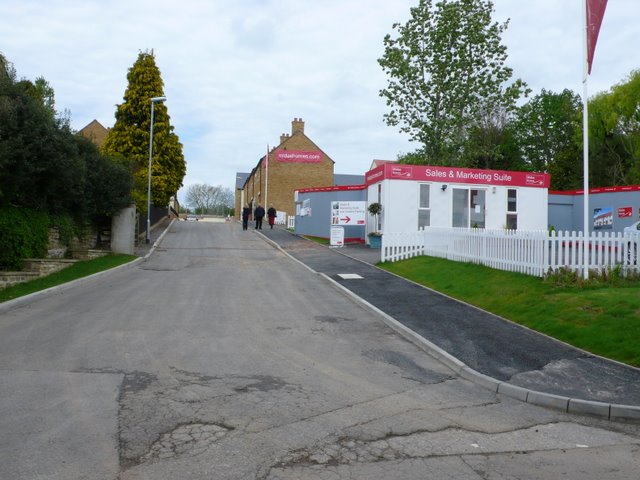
x=236, y=72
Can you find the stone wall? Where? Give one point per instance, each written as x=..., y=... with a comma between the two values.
x=33, y=268
x=45, y=266
x=81, y=249
x=11, y=278
x=55, y=249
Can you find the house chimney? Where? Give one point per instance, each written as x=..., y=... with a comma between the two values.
x=297, y=126
x=284, y=137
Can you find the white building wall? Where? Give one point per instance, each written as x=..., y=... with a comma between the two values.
x=403, y=202
x=372, y=197
x=533, y=209
x=400, y=201
x=440, y=202
x=496, y=208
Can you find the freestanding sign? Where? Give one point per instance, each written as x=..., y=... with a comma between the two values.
x=348, y=213
x=337, y=236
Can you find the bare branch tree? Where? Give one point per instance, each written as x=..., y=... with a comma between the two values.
x=208, y=199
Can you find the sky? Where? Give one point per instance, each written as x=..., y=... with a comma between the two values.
x=237, y=72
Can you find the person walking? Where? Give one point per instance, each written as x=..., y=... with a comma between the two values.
x=272, y=214
x=246, y=213
x=259, y=215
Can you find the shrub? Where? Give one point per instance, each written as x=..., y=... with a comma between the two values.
x=616, y=275
x=65, y=227
x=23, y=234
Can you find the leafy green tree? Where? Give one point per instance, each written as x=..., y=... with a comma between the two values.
x=567, y=168
x=108, y=183
x=491, y=143
x=417, y=157
x=548, y=131
x=46, y=95
x=39, y=164
x=45, y=167
x=128, y=140
x=614, y=134
x=446, y=71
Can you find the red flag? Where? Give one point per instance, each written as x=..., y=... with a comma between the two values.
x=595, y=13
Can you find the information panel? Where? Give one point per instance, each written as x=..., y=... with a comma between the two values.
x=337, y=236
x=348, y=213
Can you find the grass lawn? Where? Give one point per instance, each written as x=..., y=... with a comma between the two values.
x=75, y=271
x=601, y=318
x=320, y=240
x=325, y=241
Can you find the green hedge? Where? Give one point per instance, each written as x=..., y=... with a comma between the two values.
x=66, y=228
x=23, y=234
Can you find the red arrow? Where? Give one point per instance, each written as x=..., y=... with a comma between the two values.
x=346, y=219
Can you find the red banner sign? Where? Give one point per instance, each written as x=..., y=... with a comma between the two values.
x=624, y=212
x=335, y=188
x=457, y=175
x=595, y=13
x=298, y=156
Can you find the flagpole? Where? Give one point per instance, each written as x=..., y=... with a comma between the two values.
x=585, y=147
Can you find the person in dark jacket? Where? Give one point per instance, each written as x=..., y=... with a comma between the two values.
x=272, y=214
x=246, y=213
x=259, y=215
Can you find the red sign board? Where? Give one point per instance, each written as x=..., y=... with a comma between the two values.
x=625, y=188
x=298, y=156
x=624, y=212
x=335, y=188
x=457, y=175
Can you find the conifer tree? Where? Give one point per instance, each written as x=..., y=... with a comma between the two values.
x=128, y=140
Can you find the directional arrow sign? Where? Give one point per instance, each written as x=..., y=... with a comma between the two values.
x=348, y=213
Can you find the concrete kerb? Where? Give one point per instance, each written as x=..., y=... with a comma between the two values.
x=609, y=411
x=32, y=297
x=624, y=412
x=157, y=242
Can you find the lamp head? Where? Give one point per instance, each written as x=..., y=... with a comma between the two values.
x=158, y=99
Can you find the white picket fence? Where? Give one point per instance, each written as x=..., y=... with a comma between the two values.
x=529, y=252
x=281, y=218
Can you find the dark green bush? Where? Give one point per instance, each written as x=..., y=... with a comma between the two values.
x=65, y=227
x=23, y=234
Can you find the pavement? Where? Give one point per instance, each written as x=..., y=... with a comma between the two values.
x=484, y=348
x=156, y=233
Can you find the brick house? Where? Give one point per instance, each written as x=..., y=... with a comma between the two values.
x=95, y=132
x=297, y=162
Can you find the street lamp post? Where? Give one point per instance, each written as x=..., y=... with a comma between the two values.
x=153, y=100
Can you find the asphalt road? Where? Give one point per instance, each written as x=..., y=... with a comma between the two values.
x=219, y=357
